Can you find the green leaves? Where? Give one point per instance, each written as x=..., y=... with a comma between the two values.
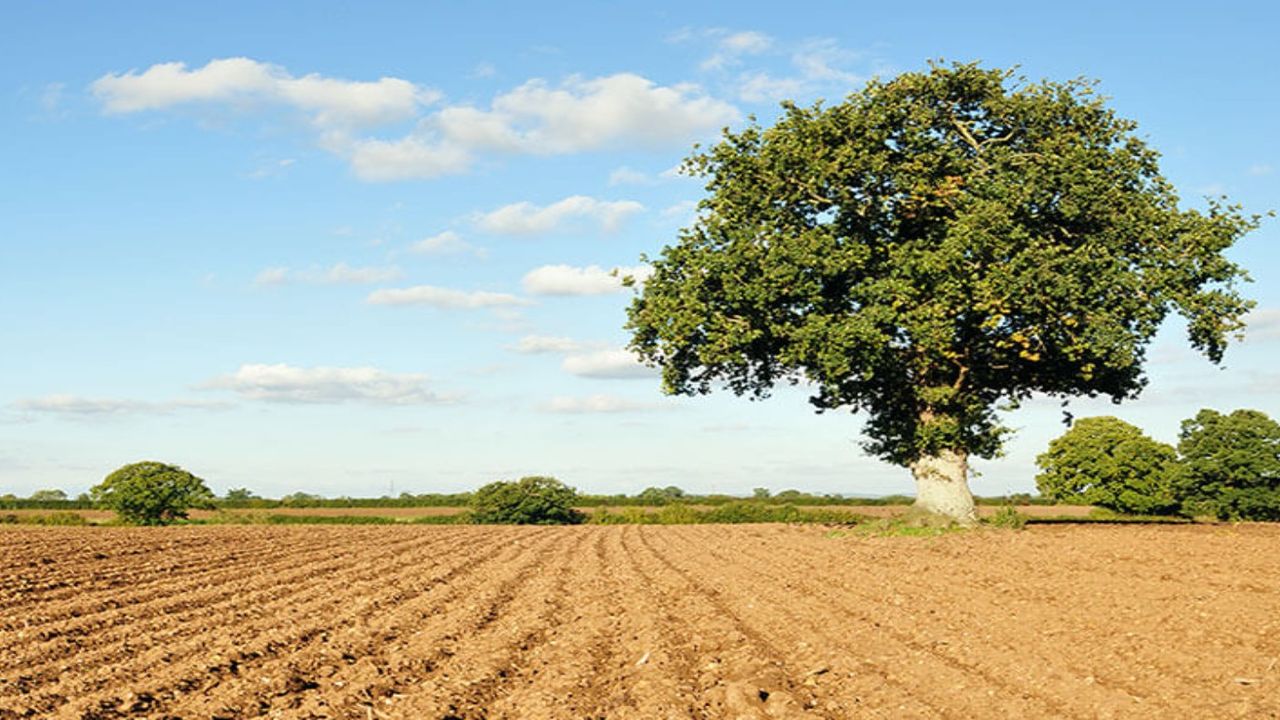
x=1107, y=462
x=151, y=493
x=936, y=244
x=529, y=501
x=1231, y=465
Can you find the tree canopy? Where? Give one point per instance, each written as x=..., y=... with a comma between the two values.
x=1231, y=465
x=936, y=245
x=1107, y=462
x=151, y=493
x=534, y=500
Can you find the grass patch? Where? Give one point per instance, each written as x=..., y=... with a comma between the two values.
x=1100, y=516
x=53, y=518
x=729, y=514
x=1007, y=518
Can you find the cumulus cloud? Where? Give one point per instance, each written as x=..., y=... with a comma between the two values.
x=244, y=83
x=406, y=159
x=590, y=280
x=76, y=405
x=326, y=385
x=592, y=404
x=547, y=344
x=525, y=218
x=338, y=274
x=444, y=298
x=616, y=364
x=536, y=118
x=446, y=243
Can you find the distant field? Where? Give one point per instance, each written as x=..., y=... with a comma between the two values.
x=638, y=622
x=408, y=513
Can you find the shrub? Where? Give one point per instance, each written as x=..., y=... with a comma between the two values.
x=1107, y=462
x=529, y=501
x=151, y=493
x=1007, y=517
x=1230, y=465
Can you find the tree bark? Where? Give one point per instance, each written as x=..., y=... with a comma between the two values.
x=942, y=486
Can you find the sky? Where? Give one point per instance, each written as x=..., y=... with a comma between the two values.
x=365, y=248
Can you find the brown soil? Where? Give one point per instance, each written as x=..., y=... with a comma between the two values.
x=704, y=621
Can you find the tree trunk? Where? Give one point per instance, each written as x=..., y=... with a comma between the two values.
x=942, y=486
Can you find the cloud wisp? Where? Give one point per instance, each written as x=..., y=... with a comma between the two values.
x=525, y=218
x=612, y=364
x=598, y=404
x=445, y=298
x=282, y=383
x=338, y=274
x=447, y=243
x=68, y=405
x=566, y=280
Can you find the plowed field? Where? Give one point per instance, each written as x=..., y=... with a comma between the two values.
x=638, y=622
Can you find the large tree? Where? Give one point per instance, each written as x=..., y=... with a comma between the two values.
x=1230, y=465
x=933, y=247
x=151, y=493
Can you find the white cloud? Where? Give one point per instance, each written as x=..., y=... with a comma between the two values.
x=732, y=46
x=1261, y=169
x=407, y=159
x=445, y=298
x=288, y=384
x=536, y=118
x=525, y=218
x=590, y=280
x=817, y=66
x=76, y=405
x=272, y=276
x=763, y=87
x=547, y=344
x=339, y=274
x=607, y=364
x=590, y=114
x=446, y=243
x=626, y=176
x=245, y=83
x=1263, y=324
x=597, y=404
x=683, y=211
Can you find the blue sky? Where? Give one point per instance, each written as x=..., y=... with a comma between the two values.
x=362, y=248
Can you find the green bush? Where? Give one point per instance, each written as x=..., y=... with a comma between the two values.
x=1230, y=466
x=1007, y=517
x=528, y=501
x=1107, y=462
x=151, y=493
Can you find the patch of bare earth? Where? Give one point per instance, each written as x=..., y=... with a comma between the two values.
x=638, y=622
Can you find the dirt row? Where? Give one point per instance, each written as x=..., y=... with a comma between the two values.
x=638, y=622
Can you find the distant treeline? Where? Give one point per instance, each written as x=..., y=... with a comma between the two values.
x=243, y=500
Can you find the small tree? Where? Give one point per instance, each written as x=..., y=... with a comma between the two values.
x=1107, y=462
x=151, y=493
x=48, y=495
x=529, y=501
x=1230, y=465
x=240, y=495
x=936, y=246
